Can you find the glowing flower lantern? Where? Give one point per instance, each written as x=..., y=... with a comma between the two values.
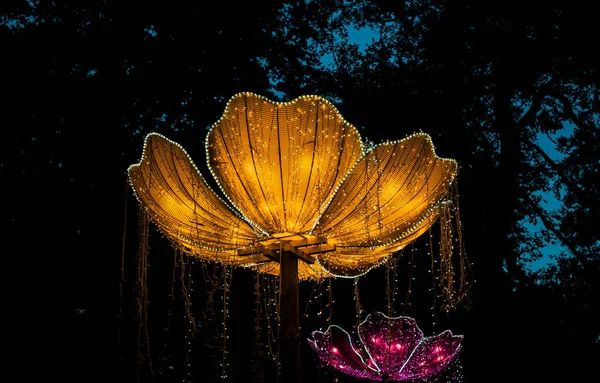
x=387, y=349
x=300, y=196
x=293, y=175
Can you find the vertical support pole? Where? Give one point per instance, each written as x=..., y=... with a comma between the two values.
x=289, y=326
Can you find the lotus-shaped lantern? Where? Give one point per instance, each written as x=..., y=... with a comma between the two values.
x=388, y=349
x=292, y=176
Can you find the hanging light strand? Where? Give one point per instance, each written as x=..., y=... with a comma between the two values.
x=465, y=265
x=141, y=293
x=227, y=281
x=122, y=282
x=434, y=278
x=258, y=352
x=452, y=291
x=406, y=302
x=270, y=291
x=358, y=305
x=331, y=301
x=312, y=297
x=190, y=328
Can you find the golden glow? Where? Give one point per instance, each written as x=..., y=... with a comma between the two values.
x=279, y=163
x=288, y=172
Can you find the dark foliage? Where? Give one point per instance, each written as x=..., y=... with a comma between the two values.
x=84, y=81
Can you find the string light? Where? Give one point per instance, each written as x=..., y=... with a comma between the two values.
x=190, y=328
x=141, y=292
x=358, y=306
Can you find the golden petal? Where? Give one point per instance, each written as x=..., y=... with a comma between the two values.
x=387, y=200
x=170, y=187
x=279, y=163
x=352, y=261
x=305, y=271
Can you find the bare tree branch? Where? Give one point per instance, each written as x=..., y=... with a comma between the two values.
x=570, y=113
x=529, y=117
x=570, y=183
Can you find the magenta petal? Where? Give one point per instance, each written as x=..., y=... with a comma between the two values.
x=432, y=355
x=335, y=348
x=389, y=346
x=390, y=341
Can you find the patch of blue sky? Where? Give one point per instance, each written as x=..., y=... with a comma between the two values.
x=550, y=202
x=361, y=36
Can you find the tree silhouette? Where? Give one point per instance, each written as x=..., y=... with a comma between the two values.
x=86, y=80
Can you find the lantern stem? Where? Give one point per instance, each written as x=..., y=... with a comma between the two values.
x=289, y=326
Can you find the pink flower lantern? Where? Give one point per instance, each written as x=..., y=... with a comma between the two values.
x=388, y=349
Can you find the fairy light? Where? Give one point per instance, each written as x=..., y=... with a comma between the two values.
x=358, y=306
x=395, y=286
x=390, y=280
x=259, y=314
x=225, y=315
x=434, y=277
x=314, y=298
x=412, y=267
x=330, y=302
x=268, y=291
x=186, y=287
x=141, y=292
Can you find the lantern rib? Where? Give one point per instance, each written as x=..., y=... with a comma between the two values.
x=317, y=224
x=160, y=153
x=253, y=152
x=408, y=198
x=334, y=217
x=358, y=203
x=280, y=172
x=153, y=161
x=192, y=197
x=298, y=108
x=314, y=343
x=238, y=175
x=355, y=273
x=363, y=336
x=312, y=163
